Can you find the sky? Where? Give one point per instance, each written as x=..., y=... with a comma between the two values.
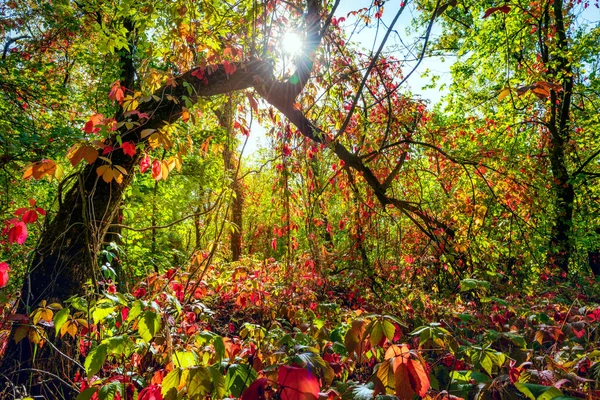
x=369, y=37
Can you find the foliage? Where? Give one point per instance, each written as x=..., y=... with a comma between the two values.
x=391, y=249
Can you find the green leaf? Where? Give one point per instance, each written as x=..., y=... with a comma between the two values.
x=219, y=347
x=486, y=363
x=389, y=330
x=87, y=393
x=95, y=359
x=148, y=326
x=109, y=391
x=198, y=383
x=171, y=382
x=239, y=376
x=218, y=381
x=119, y=345
x=538, y=392
x=135, y=310
x=102, y=310
x=184, y=359
x=471, y=284
x=60, y=318
x=376, y=333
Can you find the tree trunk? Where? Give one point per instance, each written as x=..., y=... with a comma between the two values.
x=561, y=246
x=65, y=258
x=231, y=165
x=63, y=262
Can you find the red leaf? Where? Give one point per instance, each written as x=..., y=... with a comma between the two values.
x=229, y=67
x=107, y=150
x=116, y=92
x=274, y=244
x=156, y=169
x=419, y=379
x=30, y=217
x=144, y=164
x=20, y=211
x=18, y=233
x=505, y=9
x=256, y=391
x=94, y=121
x=128, y=148
x=151, y=392
x=31, y=203
x=3, y=274
x=297, y=384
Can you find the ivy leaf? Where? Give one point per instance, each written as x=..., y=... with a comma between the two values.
x=538, y=392
x=109, y=391
x=87, y=394
x=148, y=326
x=170, y=383
x=505, y=9
x=297, y=384
x=354, y=335
x=95, y=359
x=238, y=377
x=60, y=318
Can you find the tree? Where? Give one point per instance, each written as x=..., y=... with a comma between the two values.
x=531, y=71
x=230, y=58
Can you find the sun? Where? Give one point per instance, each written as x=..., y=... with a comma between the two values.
x=291, y=44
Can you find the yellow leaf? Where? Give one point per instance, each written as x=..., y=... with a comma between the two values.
x=102, y=169
x=35, y=317
x=503, y=94
x=34, y=336
x=154, y=140
x=108, y=175
x=46, y=314
x=164, y=168
x=118, y=176
x=55, y=306
x=121, y=169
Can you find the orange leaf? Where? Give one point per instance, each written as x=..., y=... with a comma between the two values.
x=419, y=379
x=40, y=169
x=297, y=384
x=354, y=336
x=106, y=172
x=404, y=389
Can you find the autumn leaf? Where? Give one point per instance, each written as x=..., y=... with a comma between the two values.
x=128, y=148
x=156, y=170
x=42, y=168
x=18, y=232
x=91, y=126
x=505, y=9
x=82, y=152
x=257, y=390
x=117, y=92
x=419, y=379
x=4, y=269
x=354, y=336
x=297, y=384
x=152, y=392
x=229, y=67
x=108, y=173
x=503, y=94
x=144, y=164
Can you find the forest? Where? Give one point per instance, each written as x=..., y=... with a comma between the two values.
x=300, y=199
